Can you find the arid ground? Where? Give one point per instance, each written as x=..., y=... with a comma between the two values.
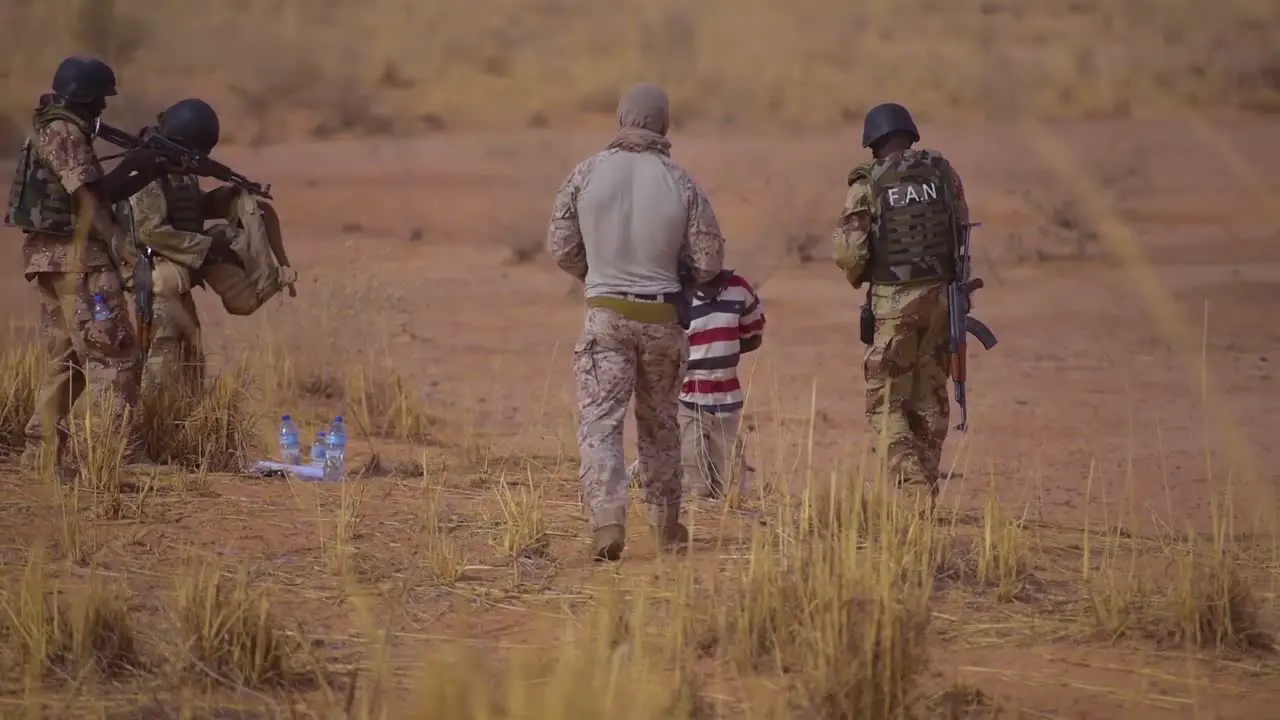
x=1108, y=546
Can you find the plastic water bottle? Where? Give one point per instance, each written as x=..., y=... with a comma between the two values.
x=335, y=452
x=101, y=310
x=290, y=443
x=319, y=449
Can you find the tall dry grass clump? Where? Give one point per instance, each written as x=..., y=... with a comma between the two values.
x=213, y=429
x=842, y=611
x=64, y=633
x=229, y=634
x=21, y=368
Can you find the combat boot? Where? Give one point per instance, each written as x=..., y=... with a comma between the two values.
x=671, y=534
x=609, y=542
x=673, y=538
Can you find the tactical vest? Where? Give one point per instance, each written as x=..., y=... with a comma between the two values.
x=914, y=233
x=37, y=200
x=184, y=204
x=184, y=201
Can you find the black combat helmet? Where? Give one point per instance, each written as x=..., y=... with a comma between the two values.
x=83, y=80
x=192, y=123
x=886, y=119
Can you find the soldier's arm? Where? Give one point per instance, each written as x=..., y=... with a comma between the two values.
x=703, y=249
x=63, y=149
x=151, y=220
x=961, y=205
x=853, y=236
x=564, y=235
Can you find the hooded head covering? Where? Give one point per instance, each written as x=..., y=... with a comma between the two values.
x=644, y=116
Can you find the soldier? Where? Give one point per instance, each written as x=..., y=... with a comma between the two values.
x=897, y=233
x=235, y=257
x=61, y=199
x=625, y=222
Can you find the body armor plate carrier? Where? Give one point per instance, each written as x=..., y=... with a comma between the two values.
x=914, y=236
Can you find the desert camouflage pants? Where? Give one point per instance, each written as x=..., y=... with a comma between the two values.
x=616, y=359
x=80, y=349
x=176, y=359
x=906, y=371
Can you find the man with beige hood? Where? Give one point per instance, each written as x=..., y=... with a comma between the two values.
x=629, y=222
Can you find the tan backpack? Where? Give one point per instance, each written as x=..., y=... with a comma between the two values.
x=259, y=244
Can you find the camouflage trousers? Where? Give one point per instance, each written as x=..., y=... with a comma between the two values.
x=176, y=358
x=617, y=359
x=79, y=349
x=906, y=372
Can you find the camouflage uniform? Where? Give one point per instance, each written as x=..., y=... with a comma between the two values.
x=632, y=346
x=907, y=256
x=169, y=216
x=70, y=266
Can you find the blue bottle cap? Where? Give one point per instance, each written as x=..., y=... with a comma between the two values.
x=285, y=418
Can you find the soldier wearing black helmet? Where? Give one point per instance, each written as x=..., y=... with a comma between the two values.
x=61, y=199
x=897, y=234
x=168, y=218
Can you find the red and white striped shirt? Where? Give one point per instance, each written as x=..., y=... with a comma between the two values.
x=721, y=330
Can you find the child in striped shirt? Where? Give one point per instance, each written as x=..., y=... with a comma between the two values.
x=727, y=321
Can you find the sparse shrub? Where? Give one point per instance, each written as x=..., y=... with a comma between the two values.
x=843, y=610
x=21, y=367
x=213, y=431
x=68, y=633
x=1211, y=604
x=385, y=405
x=229, y=634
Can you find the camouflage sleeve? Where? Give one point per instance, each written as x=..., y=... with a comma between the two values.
x=703, y=248
x=852, y=238
x=65, y=150
x=564, y=236
x=151, y=219
x=961, y=208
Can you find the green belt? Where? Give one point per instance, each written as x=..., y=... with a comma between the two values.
x=645, y=312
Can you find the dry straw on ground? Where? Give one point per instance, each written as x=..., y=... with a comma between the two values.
x=822, y=605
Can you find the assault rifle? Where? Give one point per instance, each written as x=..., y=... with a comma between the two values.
x=143, y=296
x=958, y=292
x=199, y=163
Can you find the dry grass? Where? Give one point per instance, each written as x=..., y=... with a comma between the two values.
x=229, y=634
x=324, y=68
x=829, y=604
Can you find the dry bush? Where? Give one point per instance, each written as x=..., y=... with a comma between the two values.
x=68, y=633
x=524, y=529
x=444, y=553
x=212, y=431
x=845, y=610
x=1211, y=604
x=230, y=635
x=102, y=448
x=327, y=68
x=385, y=405
x=21, y=367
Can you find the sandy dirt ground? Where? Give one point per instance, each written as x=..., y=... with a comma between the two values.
x=426, y=256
